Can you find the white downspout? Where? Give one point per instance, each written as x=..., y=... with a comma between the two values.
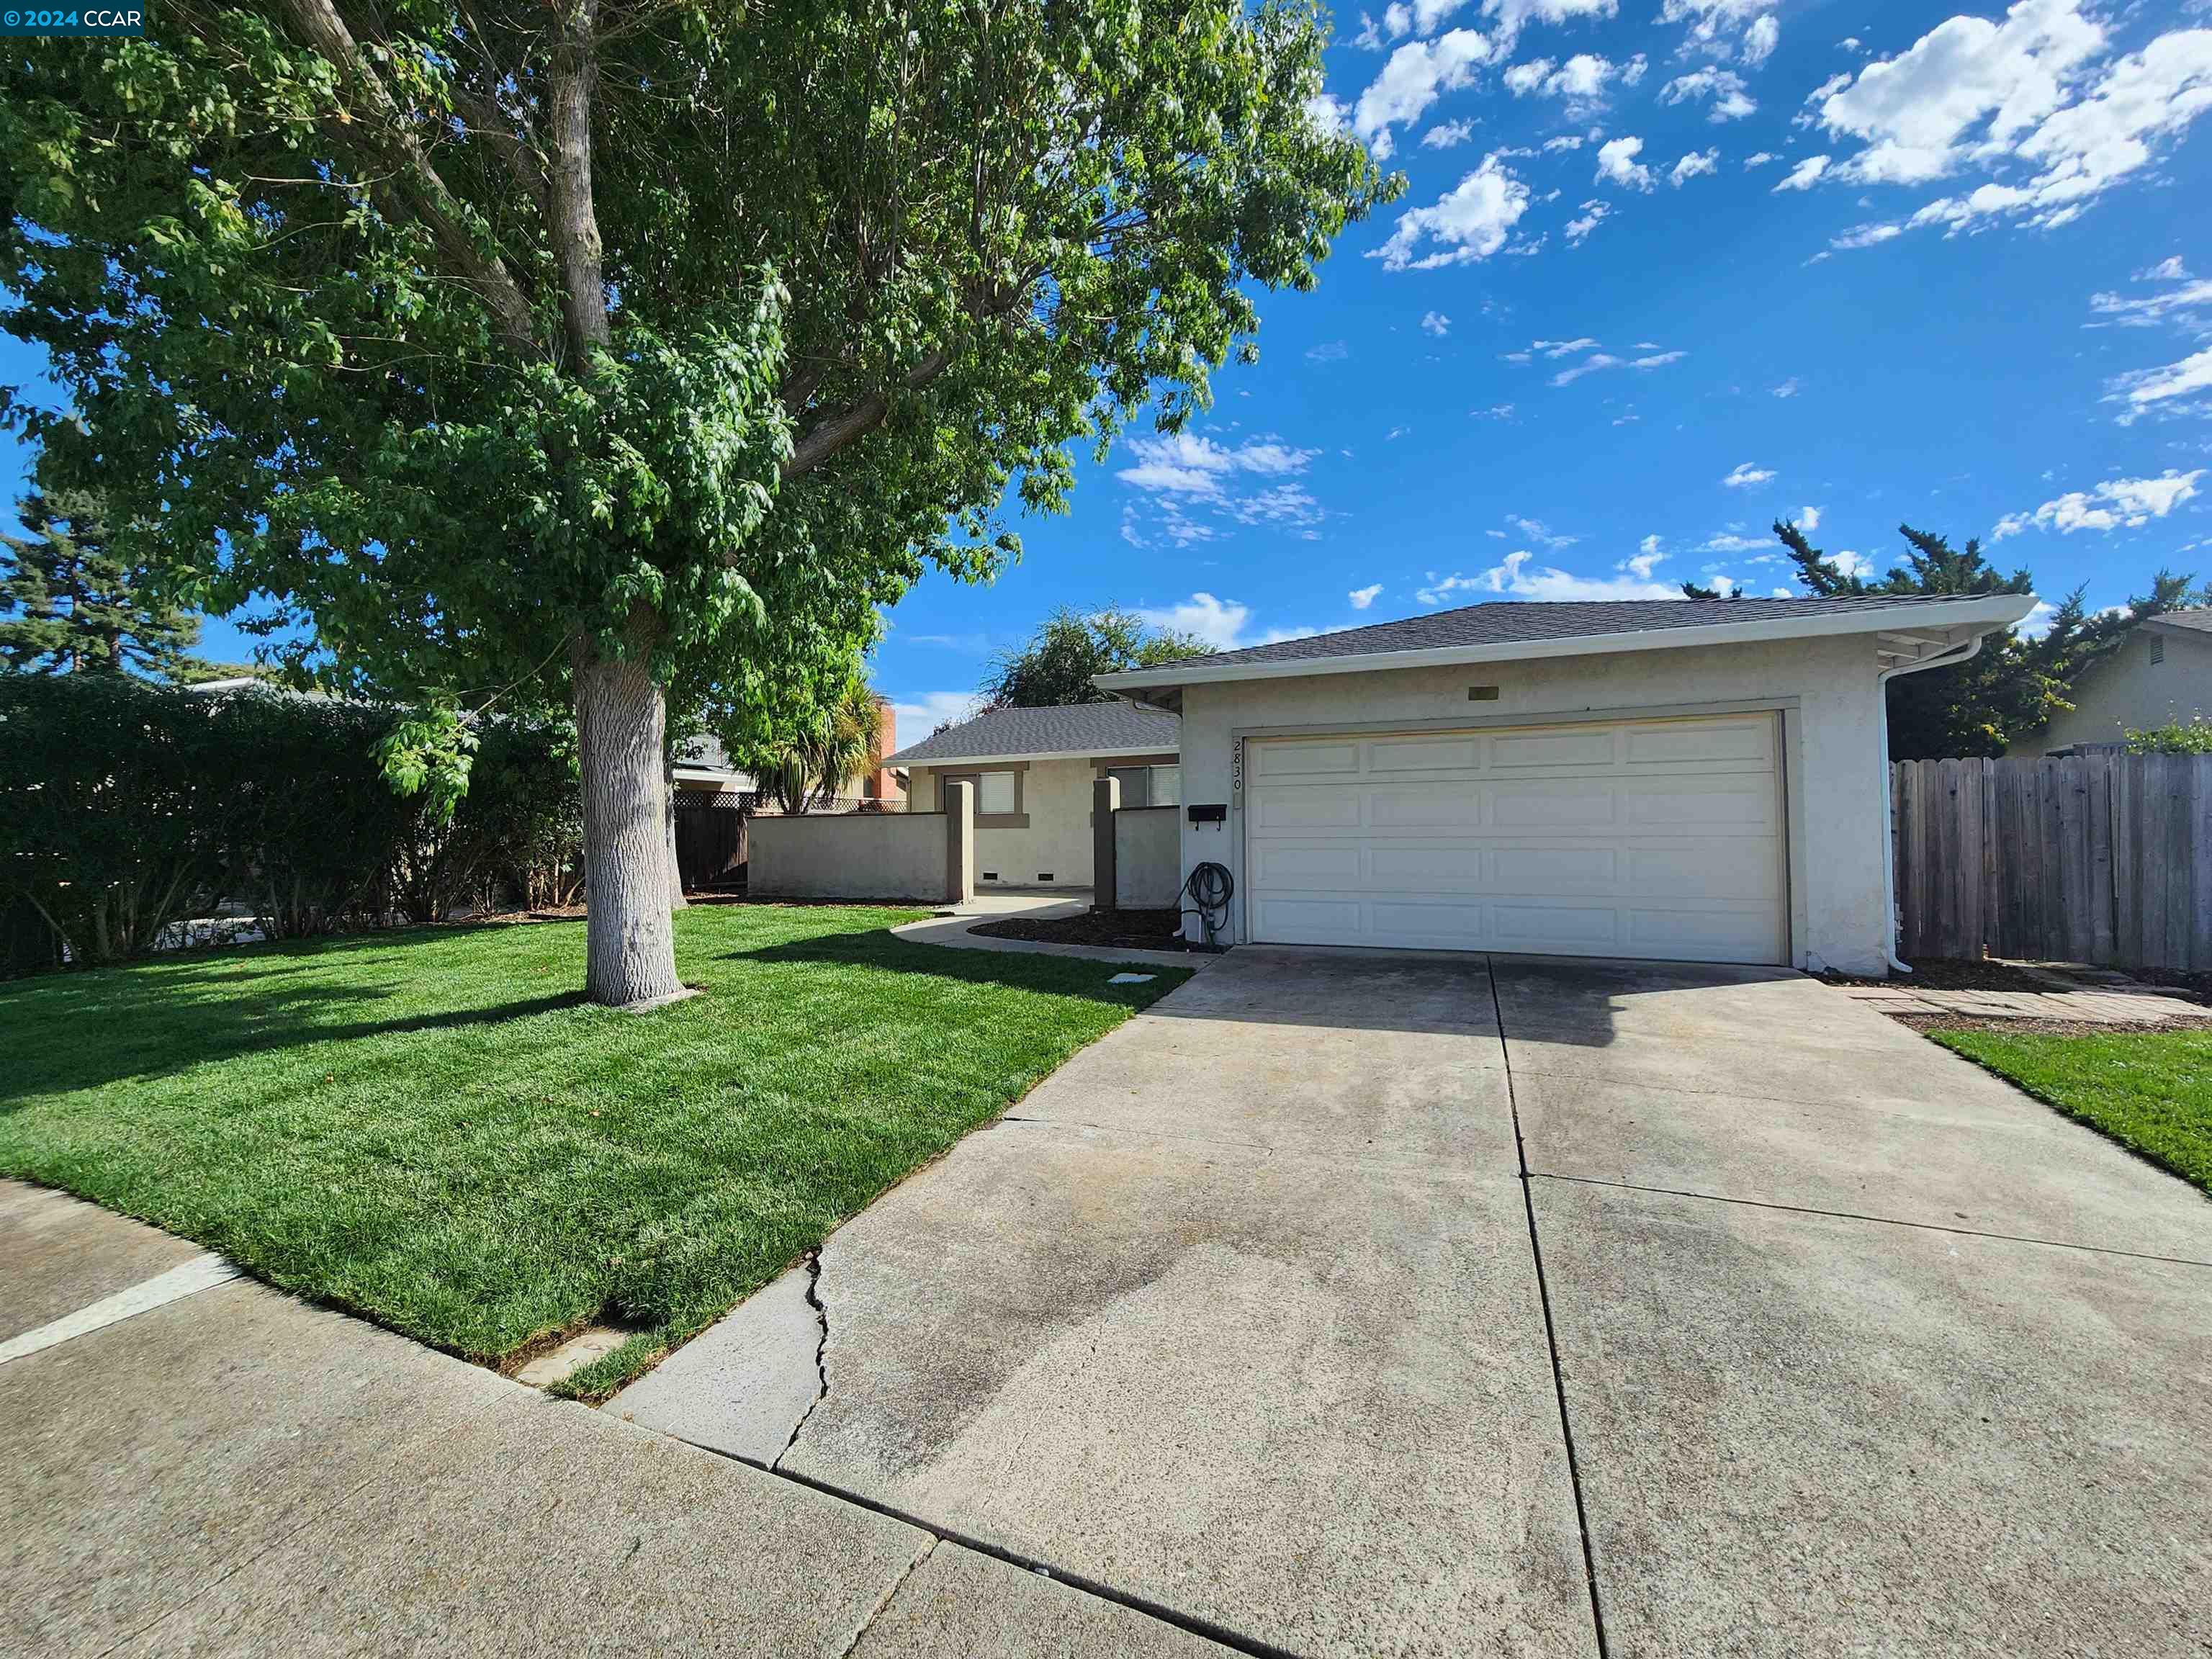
x=1956, y=654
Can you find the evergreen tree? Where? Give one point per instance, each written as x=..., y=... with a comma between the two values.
x=1052, y=667
x=2015, y=683
x=68, y=603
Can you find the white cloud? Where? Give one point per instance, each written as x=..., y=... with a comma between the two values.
x=2187, y=297
x=1805, y=174
x=1417, y=17
x=1617, y=162
x=1510, y=16
x=1445, y=133
x=1495, y=412
x=1361, y=597
x=1592, y=215
x=1436, y=323
x=1537, y=531
x=1327, y=113
x=1694, y=165
x=1514, y=576
x=1220, y=623
x=1788, y=388
x=1186, y=464
x=2037, y=623
x=1645, y=562
x=1565, y=140
x=1601, y=360
x=1728, y=541
x=2115, y=504
x=1860, y=236
x=1847, y=562
x=1328, y=351
x=1469, y=223
x=1747, y=474
x=1416, y=75
x=2032, y=92
x=1758, y=158
x=1649, y=545
x=2168, y=269
x=2140, y=389
x=1561, y=348
x=922, y=714
x=1581, y=80
x=1724, y=87
x=1716, y=25
x=1808, y=518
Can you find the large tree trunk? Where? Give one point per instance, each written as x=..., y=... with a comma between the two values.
x=630, y=943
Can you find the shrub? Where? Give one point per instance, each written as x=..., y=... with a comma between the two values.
x=2191, y=737
x=126, y=807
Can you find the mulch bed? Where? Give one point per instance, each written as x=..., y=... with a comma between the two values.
x=1926, y=1023
x=1939, y=974
x=1120, y=930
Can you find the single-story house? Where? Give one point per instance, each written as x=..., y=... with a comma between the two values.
x=2161, y=671
x=1689, y=778
x=1033, y=770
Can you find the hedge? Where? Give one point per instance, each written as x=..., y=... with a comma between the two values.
x=126, y=807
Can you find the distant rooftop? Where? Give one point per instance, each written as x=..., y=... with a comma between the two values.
x=1082, y=729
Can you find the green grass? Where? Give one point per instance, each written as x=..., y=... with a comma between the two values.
x=431, y=1127
x=2149, y=1091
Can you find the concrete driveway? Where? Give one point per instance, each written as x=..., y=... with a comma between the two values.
x=1352, y=1303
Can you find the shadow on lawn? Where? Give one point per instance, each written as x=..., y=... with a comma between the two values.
x=97, y=1028
x=1077, y=976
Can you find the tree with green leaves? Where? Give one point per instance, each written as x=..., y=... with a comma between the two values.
x=1052, y=667
x=71, y=602
x=2010, y=687
x=583, y=351
x=809, y=764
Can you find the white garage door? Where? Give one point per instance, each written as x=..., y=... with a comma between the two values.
x=1647, y=838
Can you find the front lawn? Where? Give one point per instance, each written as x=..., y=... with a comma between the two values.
x=433, y=1129
x=2149, y=1091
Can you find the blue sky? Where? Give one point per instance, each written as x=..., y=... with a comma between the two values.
x=1664, y=270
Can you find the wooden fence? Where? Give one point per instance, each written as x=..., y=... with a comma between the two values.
x=2103, y=859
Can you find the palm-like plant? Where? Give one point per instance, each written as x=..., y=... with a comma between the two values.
x=812, y=767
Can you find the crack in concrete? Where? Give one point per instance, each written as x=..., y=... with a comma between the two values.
x=821, y=1355
x=889, y=1595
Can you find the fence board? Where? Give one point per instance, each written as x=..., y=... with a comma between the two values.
x=2100, y=857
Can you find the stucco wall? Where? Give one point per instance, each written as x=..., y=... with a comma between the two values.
x=1831, y=737
x=851, y=855
x=1056, y=799
x=2128, y=689
x=1147, y=857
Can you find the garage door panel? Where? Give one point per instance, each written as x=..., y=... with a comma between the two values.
x=1425, y=806
x=1299, y=865
x=1717, y=871
x=1286, y=760
x=1389, y=755
x=1699, y=744
x=1712, y=806
x=1575, y=746
x=1574, y=804
x=1658, y=839
x=1312, y=808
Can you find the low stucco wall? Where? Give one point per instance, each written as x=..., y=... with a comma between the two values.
x=1147, y=857
x=855, y=856
x=1056, y=843
x=1831, y=746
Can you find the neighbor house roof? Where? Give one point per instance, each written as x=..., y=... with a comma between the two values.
x=2186, y=622
x=1505, y=629
x=1072, y=730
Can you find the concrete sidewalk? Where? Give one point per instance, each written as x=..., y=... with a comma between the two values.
x=234, y=1472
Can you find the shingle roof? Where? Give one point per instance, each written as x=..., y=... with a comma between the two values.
x=2198, y=622
x=1505, y=621
x=1082, y=728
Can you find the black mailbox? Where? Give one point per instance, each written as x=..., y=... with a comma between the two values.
x=1209, y=815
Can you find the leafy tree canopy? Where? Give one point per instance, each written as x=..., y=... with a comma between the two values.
x=69, y=602
x=2015, y=683
x=1053, y=666
x=613, y=346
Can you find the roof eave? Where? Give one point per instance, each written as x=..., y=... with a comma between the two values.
x=1976, y=615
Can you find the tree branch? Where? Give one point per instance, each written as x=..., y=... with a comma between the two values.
x=573, y=225
x=857, y=419
x=425, y=193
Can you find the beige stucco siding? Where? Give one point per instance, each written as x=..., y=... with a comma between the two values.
x=1056, y=841
x=1831, y=734
x=2131, y=690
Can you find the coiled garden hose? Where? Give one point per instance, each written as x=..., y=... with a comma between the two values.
x=1209, y=888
